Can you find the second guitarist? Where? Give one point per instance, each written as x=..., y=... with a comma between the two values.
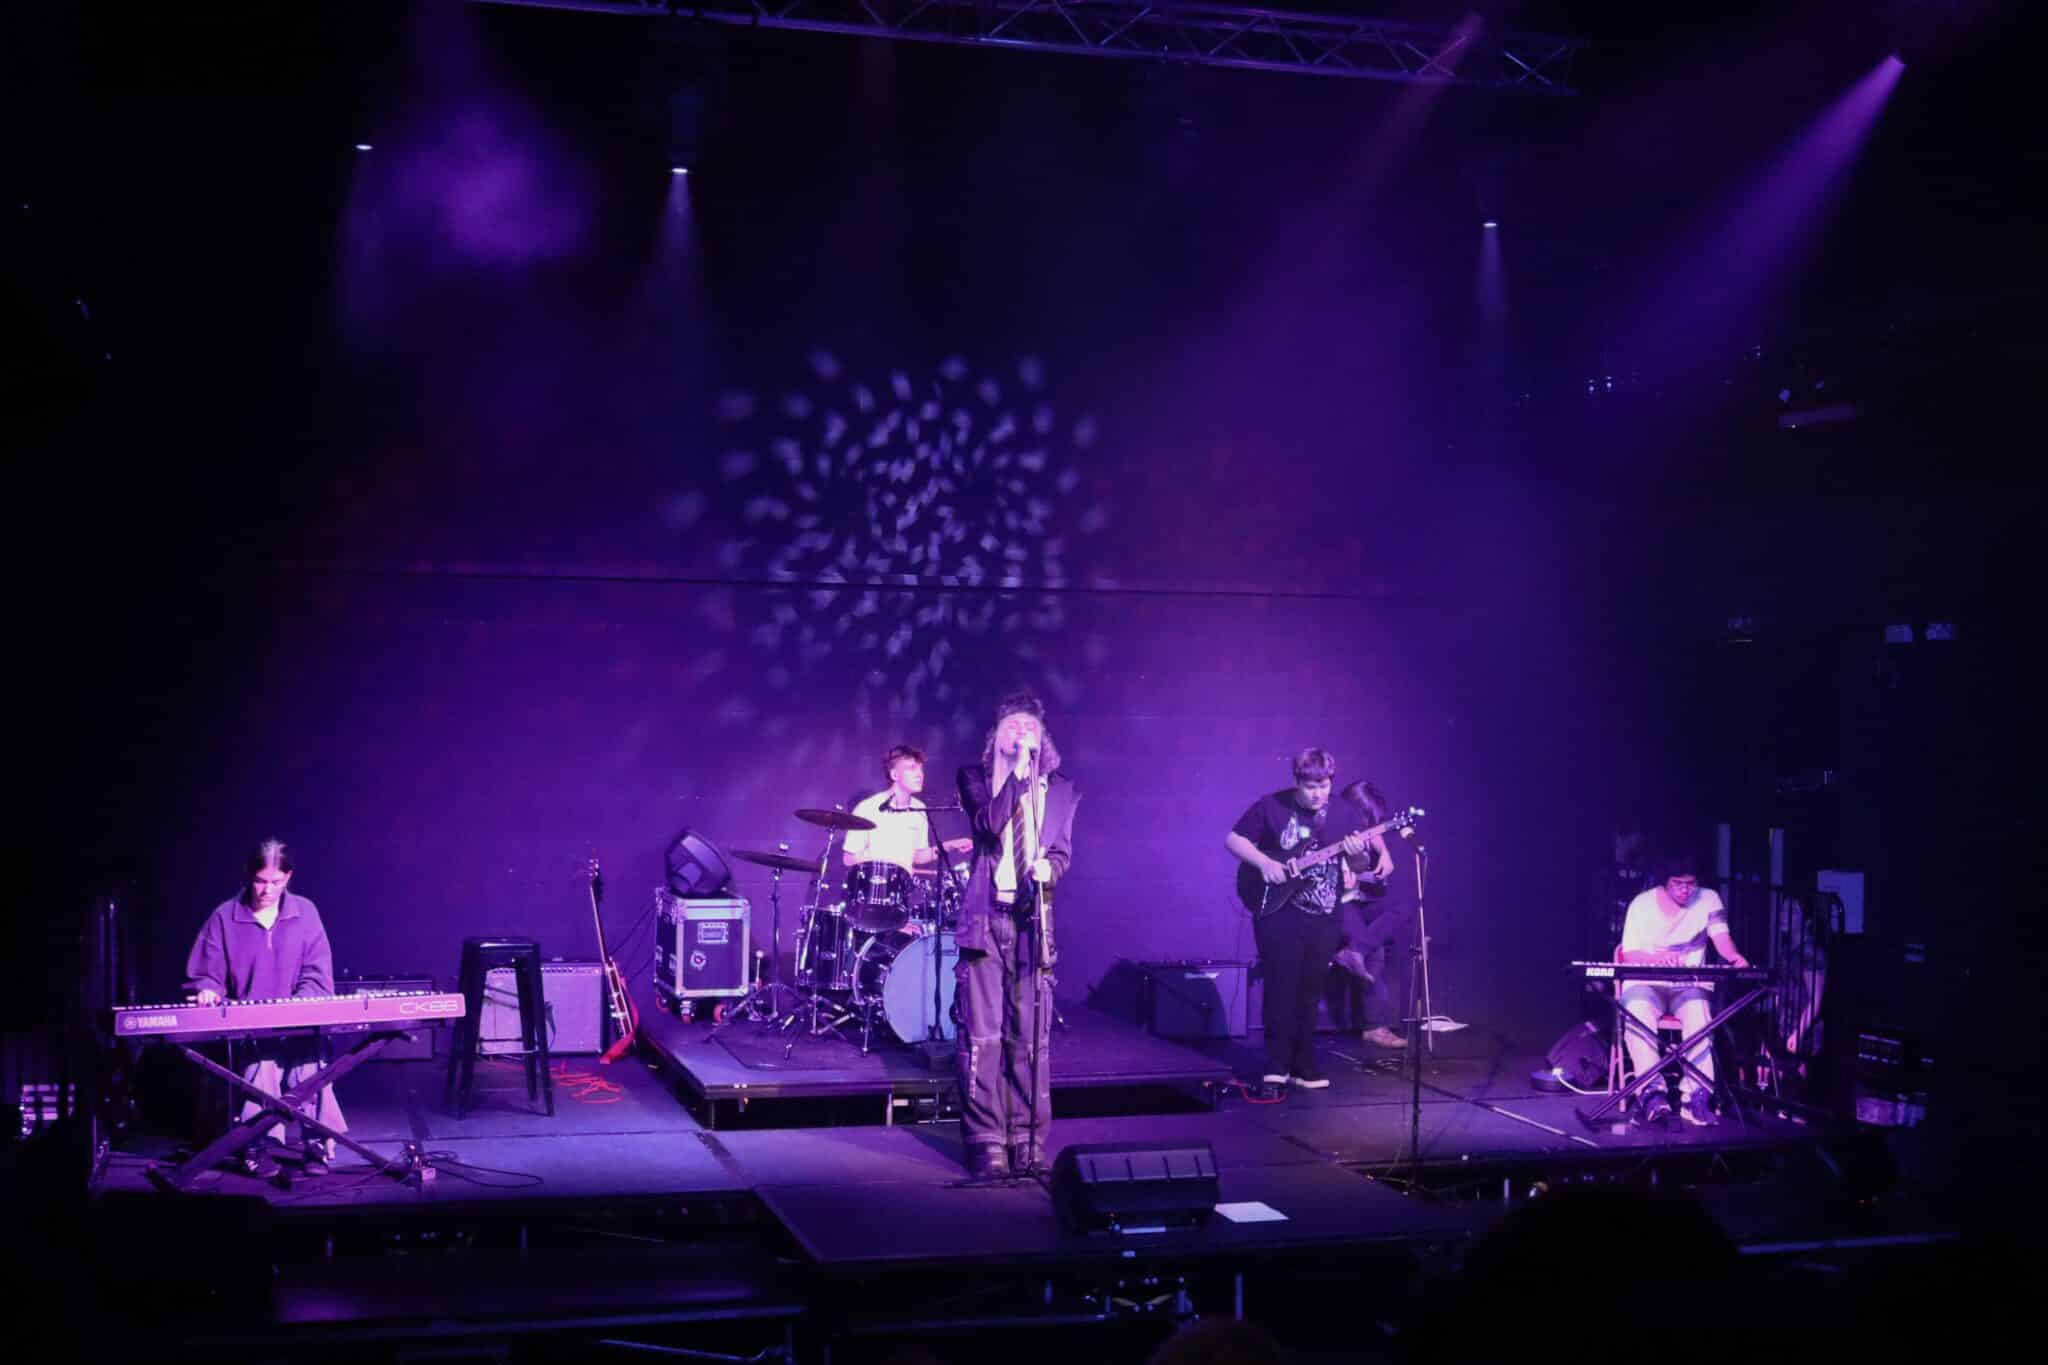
x=1296, y=923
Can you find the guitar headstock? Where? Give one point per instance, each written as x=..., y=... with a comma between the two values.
x=595, y=873
x=1405, y=820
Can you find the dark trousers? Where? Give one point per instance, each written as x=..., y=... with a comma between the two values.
x=1294, y=958
x=1003, y=1005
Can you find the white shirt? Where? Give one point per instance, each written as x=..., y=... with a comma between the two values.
x=1649, y=929
x=1006, y=865
x=898, y=833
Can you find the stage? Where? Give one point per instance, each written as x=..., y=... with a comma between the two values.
x=626, y=1208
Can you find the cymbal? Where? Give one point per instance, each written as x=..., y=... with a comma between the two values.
x=834, y=819
x=787, y=862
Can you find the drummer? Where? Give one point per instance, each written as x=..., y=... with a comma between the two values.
x=903, y=832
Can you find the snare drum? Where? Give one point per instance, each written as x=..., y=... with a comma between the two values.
x=898, y=975
x=877, y=897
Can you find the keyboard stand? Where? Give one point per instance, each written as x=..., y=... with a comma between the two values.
x=1687, y=1045
x=278, y=1109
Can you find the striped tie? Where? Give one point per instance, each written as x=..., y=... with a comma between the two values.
x=1020, y=856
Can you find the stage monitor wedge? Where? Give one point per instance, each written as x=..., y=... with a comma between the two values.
x=1128, y=1187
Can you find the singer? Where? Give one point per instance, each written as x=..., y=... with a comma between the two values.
x=1022, y=811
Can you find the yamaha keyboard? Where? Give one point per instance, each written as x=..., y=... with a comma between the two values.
x=363, y=1013
x=1706, y=974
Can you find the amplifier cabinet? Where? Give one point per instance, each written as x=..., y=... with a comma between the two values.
x=422, y=1043
x=572, y=994
x=701, y=947
x=1195, y=999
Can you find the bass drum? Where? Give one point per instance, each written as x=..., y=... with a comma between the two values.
x=896, y=973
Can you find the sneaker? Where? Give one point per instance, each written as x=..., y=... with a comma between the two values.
x=257, y=1161
x=1698, y=1109
x=1383, y=1037
x=1312, y=1082
x=314, y=1161
x=1655, y=1110
x=1275, y=1078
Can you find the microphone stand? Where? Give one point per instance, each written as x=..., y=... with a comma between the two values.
x=1041, y=978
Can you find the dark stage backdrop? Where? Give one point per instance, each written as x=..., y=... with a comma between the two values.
x=533, y=503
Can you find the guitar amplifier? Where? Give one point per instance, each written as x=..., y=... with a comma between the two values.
x=701, y=946
x=421, y=1044
x=1195, y=999
x=572, y=994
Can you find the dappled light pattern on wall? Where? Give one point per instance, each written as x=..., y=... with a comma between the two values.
x=916, y=520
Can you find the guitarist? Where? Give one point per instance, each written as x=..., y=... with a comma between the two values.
x=1295, y=920
x=1022, y=811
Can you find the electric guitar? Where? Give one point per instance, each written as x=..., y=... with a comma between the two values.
x=1263, y=899
x=625, y=1017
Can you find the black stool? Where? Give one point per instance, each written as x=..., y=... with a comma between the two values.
x=479, y=956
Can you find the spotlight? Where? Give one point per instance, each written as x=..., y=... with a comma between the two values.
x=1489, y=225
x=363, y=147
x=679, y=170
x=1941, y=630
x=1898, y=635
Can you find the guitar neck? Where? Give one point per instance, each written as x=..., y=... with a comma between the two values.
x=1329, y=851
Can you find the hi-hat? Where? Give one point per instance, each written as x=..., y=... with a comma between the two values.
x=787, y=862
x=834, y=819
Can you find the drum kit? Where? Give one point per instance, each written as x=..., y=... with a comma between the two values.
x=875, y=947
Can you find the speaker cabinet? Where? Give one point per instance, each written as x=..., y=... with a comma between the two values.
x=1580, y=1056
x=1129, y=1187
x=571, y=992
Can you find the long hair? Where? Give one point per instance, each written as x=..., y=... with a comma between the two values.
x=1367, y=798
x=1048, y=752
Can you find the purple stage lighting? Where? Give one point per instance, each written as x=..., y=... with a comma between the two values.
x=679, y=170
x=1704, y=300
x=1489, y=225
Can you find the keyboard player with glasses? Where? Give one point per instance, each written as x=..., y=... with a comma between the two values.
x=267, y=943
x=1670, y=925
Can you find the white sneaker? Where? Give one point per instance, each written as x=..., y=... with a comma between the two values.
x=1275, y=1078
x=1312, y=1082
x=1383, y=1037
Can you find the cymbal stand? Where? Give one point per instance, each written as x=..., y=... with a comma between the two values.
x=815, y=1006
x=759, y=1004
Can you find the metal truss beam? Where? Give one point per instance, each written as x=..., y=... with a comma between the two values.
x=1161, y=31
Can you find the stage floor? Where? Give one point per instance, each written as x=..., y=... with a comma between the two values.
x=623, y=1207
x=625, y=1132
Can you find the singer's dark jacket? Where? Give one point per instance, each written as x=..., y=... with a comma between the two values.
x=989, y=816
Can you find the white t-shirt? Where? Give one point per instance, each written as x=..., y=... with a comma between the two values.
x=897, y=835
x=1647, y=928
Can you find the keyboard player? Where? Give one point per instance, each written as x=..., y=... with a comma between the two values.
x=1670, y=925
x=267, y=943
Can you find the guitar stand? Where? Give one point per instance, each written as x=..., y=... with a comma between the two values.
x=284, y=1108
x=1683, y=1053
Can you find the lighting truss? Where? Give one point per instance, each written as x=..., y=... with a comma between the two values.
x=1161, y=31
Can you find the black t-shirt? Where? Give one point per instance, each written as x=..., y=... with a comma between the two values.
x=1282, y=829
